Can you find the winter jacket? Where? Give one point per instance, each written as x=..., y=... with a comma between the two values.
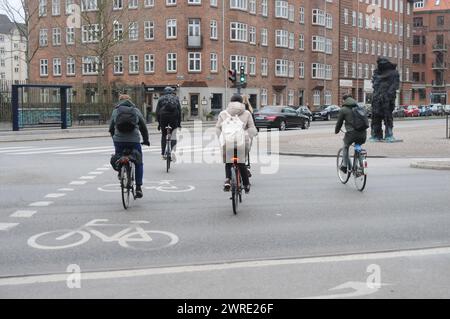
x=165, y=103
x=132, y=137
x=346, y=115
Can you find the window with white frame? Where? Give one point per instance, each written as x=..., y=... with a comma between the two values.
x=70, y=35
x=264, y=8
x=318, y=17
x=238, y=32
x=194, y=27
x=90, y=33
x=264, y=37
x=281, y=38
x=43, y=37
x=213, y=3
x=301, y=70
x=264, y=67
x=171, y=2
x=149, y=30
x=281, y=67
x=291, y=13
x=90, y=65
x=252, y=35
x=329, y=21
x=70, y=7
x=345, y=69
x=118, y=4
x=354, y=70
x=133, y=31
x=317, y=71
x=302, y=15
x=118, y=64
x=118, y=31
x=213, y=62
x=345, y=43
x=149, y=3
x=133, y=64
x=291, y=69
x=171, y=29
x=252, y=65
x=291, y=97
x=213, y=33
x=301, y=42
x=133, y=4
x=89, y=5
x=195, y=61
x=281, y=9
x=70, y=66
x=316, y=97
x=149, y=63
x=56, y=36
x=328, y=97
x=252, y=6
x=42, y=8
x=263, y=97
x=195, y=2
x=346, y=16
x=56, y=7
x=238, y=4
x=43, y=67
x=57, y=69
x=171, y=62
x=236, y=61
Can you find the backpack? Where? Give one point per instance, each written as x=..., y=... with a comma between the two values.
x=169, y=105
x=360, y=119
x=232, y=131
x=126, y=119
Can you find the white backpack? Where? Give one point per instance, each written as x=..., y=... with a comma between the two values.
x=232, y=132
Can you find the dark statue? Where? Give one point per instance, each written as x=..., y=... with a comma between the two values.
x=386, y=82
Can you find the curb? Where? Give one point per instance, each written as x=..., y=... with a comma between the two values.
x=436, y=165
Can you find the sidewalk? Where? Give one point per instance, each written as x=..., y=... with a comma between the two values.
x=83, y=131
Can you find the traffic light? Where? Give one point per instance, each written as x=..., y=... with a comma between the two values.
x=232, y=76
x=242, y=78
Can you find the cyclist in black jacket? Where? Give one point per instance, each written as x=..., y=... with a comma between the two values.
x=168, y=112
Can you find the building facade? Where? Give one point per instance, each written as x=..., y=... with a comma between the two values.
x=293, y=52
x=13, y=65
x=431, y=58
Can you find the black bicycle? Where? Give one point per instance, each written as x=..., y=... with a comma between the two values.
x=127, y=177
x=358, y=169
x=236, y=185
x=168, y=151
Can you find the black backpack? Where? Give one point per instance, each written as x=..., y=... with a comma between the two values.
x=360, y=119
x=126, y=119
x=169, y=105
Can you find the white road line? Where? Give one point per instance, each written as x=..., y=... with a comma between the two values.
x=55, y=195
x=78, y=183
x=88, y=177
x=7, y=226
x=27, y=280
x=96, y=173
x=109, y=150
x=44, y=150
x=103, y=169
x=23, y=214
x=65, y=190
x=40, y=204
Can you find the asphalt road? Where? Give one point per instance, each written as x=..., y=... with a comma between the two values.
x=298, y=234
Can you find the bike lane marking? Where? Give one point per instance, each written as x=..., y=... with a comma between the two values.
x=78, y=183
x=7, y=226
x=23, y=214
x=55, y=195
x=40, y=204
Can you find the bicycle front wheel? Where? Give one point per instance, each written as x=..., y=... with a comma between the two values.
x=343, y=177
x=125, y=181
x=359, y=174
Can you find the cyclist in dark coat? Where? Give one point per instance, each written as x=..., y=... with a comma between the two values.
x=168, y=112
x=130, y=140
x=351, y=136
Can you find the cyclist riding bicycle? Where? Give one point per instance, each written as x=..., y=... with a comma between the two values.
x=126, y=123
x=353, y=135
x=168, y=112
x=236, y=112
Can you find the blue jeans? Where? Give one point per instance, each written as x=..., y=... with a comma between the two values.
x=121, y=146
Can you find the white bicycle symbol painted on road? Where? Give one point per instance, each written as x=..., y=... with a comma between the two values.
x=130, y=237
x=165, y=186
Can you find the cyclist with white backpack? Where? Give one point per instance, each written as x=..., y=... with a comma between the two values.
x=236, y=128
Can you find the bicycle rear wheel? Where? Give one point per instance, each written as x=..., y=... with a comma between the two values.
x=343, y=177
x=125, y=180
x=234, y=191
x=359, y=174
x=168, y=156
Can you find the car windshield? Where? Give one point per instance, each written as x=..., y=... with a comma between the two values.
x=270, y=109
x=412, y=107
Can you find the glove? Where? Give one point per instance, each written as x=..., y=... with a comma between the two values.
x=146, y=143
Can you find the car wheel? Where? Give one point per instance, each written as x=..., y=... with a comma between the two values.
x=306, y=125
x=328, y=117
x=282, y=126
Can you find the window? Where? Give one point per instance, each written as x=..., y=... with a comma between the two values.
x=171, y=29
x=213, y=30
x=252, y=6
x=291, y=97
x=133, y=31
x=281, y=68
x=194, y=27
x=70, y=36
x=328, y=97
x=291, y=40
x=90, y=65
x=195, y=61
x=56, y=7
x=118, y=64
x=281, y=38
x=252, y=65
x=149, y=63
x=88, y=5
x=149, y=30
x=291, y=13
x=301, y=42
x=213, y=3
x=264, y=8
x=301, y=70
x=345, y=16
x=133, y=4
x=195, y=2
x=440, y=21
x=171, y=65
x=43, y=67
x=43, y=37
x=90, y=33
x=238, y=32
x=149, y=3
x=213, y=62
x=42, y=8
x=263, y=97
x=281, y=9
x=171, y=2
x=345, y=43
x=70, y=7
x=264, y=37
x=57, y=70
x=318, y=17
x=133, y=61
x=264, y=67
x=70, y=65
x=118, y=31
x=236, y=61
x=302, y=15
x=56, y=36
x=316, y=97
x=252, y=35
x=117, y=4
x=345, y=69
x=238, y=4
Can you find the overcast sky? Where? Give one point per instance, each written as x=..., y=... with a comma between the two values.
x=14, y=3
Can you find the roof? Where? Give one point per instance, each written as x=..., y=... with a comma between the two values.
x=434, y=5
x=6, y=25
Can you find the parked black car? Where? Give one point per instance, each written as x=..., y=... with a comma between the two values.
x=280, y=117
x=326, y=112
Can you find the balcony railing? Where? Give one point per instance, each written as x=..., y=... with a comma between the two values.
x=439, y=66
x=440, y=47
x=194, y=41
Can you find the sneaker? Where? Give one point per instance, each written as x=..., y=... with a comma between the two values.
x=163, y=157
x=344, y=169
x=139, y=193
x=227, y=185
x=247, y=189
x=173, y=157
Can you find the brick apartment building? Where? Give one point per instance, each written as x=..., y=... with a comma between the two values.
x=431, y=59
x=294, y=52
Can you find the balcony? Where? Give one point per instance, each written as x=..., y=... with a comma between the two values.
x=439, y=66
x=194, y=41
x=438, y=84
x=440, y=47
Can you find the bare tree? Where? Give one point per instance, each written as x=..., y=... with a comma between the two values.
x=22, y=16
